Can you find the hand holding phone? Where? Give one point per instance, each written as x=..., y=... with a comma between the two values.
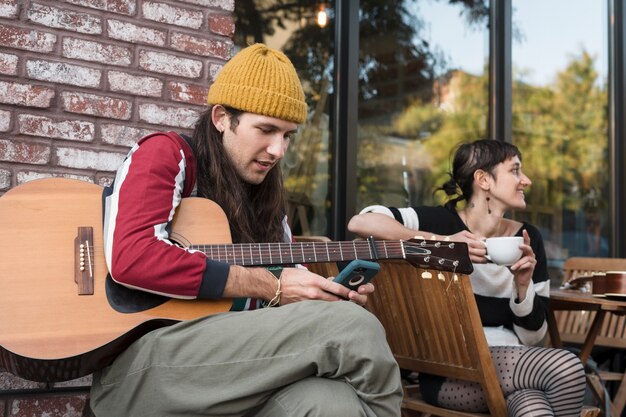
x=357, y=273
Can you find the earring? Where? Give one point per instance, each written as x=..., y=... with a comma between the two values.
x=488, y=208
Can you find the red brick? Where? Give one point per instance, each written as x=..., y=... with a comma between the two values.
x=48, y=405
x=164, y=13
x=9, y=381
x=228, y=5
x=133, y=84
x=104, y=181
x=88, y=159
x=115, y=6
x=9, y=8
x=28, y=153
x=96, y=52
x=222, y=24
x=214, y=69
x=188, y=93
x=25, y=94
x=100, y=106
x=169, y=116
x=201, y=46
x=8, y=64
x=132, y=33
x=60, y=18
x=63, y=73
x=5, y=183
x=122, y=135
x=169, y=64
x=5, y=120
x=30, y=40
x=77, y=130
x=26, y=176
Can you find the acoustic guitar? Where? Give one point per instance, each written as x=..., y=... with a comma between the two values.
x=62, y=317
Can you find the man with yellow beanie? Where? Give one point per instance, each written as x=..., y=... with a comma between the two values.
x=310, y=352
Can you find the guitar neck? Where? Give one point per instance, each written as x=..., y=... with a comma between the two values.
x=267, y=254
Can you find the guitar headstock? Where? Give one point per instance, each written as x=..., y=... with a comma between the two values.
x=439, y=255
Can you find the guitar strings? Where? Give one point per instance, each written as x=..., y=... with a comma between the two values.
x=311, y=251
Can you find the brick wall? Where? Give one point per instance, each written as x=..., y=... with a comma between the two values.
x=80, y=82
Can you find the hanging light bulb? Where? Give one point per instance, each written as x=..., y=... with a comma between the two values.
x=322, y=18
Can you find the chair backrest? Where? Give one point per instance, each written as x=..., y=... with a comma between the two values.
x=433, y=326
x=573, y=325
x=325, y=269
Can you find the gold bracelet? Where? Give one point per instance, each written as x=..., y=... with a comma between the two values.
x=276, y=300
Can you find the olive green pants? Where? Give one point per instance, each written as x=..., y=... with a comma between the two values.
x=311, y=358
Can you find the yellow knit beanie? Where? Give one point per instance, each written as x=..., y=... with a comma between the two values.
x=260, y=80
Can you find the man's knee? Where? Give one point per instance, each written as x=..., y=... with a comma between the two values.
x=354, y=317
x=314, y=397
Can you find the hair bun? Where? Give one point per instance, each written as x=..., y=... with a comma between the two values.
x=450, y=187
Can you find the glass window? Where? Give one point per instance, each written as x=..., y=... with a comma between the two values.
x=560, y=122
x=423, y=85
x=302, y=29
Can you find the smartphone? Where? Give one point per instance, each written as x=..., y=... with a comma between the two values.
x=356, y=273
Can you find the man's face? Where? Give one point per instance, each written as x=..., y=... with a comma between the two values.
x=256, y=144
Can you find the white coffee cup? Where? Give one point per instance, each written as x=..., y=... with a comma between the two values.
x=504, y=250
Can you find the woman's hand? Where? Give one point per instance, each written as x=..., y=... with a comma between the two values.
x=524, y=268
x=299, y=285
x=475, y=245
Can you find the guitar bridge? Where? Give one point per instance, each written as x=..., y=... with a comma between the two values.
x=84, y=260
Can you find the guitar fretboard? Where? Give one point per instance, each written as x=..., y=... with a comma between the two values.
x=265, y=254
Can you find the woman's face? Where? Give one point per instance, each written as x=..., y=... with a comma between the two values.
x=509, y=183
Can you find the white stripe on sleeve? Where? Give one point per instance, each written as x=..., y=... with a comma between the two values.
x=409, y=216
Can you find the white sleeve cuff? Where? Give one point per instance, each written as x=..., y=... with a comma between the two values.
x=377, y=209
x=530, y=337
x=525, y=307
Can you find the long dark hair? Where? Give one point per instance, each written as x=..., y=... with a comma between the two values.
x=254, y=211
x=469, y=157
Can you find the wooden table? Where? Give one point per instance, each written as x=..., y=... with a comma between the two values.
x=576, y=300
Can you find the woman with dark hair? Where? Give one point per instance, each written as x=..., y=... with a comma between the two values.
x=487, y=176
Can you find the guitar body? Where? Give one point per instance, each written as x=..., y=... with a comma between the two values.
x=612, y=284
x=48, y=332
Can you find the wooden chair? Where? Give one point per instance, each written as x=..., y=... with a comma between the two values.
x=573, y=326
x=433, y=326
